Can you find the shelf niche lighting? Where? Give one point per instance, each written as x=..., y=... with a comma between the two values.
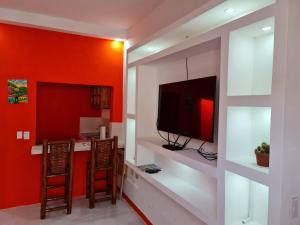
x=250, y=59
x=246, y=201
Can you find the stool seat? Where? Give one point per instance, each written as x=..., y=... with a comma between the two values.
x=57, y=163
x=103, y=158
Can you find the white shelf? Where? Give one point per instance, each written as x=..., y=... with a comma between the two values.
x=250, y=162
x=190, y=158
x=245, y=198
x=131, y=116
x=250, y=59
x=249, y=223
x=259, y=175
x=250, y=100
x=188, y=196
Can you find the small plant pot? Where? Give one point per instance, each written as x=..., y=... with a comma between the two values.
x=262, y=159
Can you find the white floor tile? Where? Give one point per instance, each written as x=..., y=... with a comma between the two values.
x=103, y=214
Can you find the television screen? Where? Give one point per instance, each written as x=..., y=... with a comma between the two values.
x=187, y=108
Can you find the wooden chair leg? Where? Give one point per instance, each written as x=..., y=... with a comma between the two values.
x=43, y=199
x=43, y=208
x=66, y=189
x=114, y=188
x=88, y=181
x=69, y=196
x=92, y=191
x=108, y=182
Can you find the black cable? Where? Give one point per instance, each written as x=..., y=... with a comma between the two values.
x=187, y=68
x=164, y=137
x=207, y=155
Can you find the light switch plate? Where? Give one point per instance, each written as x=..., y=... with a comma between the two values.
x=19, y=135
x=26, y=135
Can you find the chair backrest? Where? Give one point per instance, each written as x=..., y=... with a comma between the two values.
x=58, y=156
x=104, y=152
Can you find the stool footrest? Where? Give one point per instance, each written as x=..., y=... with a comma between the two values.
x=104, y=198
x=56, y=208
x=54, y=198
x=53, y=186
x=57, y=175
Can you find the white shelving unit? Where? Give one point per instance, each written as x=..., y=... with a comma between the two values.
x=244, y=51
x=247, y=106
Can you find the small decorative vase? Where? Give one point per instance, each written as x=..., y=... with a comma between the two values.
x=262, y=159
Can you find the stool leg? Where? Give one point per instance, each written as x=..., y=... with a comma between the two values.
x=88, y=181
x=92, y=190
x=43, y=199
x=66, y=189
x=69, y=195
x=114, y=187
x=108, y=182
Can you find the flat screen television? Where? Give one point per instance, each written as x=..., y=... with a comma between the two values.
x=187, y=108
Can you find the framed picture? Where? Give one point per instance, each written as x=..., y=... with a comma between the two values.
x=17, y=91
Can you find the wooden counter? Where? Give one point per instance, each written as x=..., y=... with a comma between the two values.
x=80, y=146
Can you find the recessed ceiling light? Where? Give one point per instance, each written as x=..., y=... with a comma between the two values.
x=266, y=28
x=229, y=10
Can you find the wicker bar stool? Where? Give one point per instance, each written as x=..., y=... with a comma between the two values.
x=57, y=164
x=103, y=158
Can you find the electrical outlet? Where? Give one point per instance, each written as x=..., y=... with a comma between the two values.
x=26, y=135
x=19, y=135
x=294, y=211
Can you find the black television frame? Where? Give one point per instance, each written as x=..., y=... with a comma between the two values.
x=174, y=145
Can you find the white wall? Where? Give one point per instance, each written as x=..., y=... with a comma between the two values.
x=291, y=154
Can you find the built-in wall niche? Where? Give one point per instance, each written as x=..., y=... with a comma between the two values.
x=247, y=128
x=131, y=90
x=250, y=59
x=130, y=140
x=246, y=201
x=192, y=189
x=65, y=111
x=203, y=60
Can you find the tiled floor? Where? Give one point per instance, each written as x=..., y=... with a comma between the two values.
x=103, y=214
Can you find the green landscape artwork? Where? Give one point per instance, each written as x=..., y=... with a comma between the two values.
x=17, y=91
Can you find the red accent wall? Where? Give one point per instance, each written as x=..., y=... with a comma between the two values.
x=46, y=56
x=59, y=108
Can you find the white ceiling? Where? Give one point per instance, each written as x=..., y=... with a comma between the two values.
x=119, y=14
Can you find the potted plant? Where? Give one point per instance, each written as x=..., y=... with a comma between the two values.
x=262, y=153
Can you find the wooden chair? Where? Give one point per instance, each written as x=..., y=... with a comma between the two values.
x=57, y=164
x=103, y=158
